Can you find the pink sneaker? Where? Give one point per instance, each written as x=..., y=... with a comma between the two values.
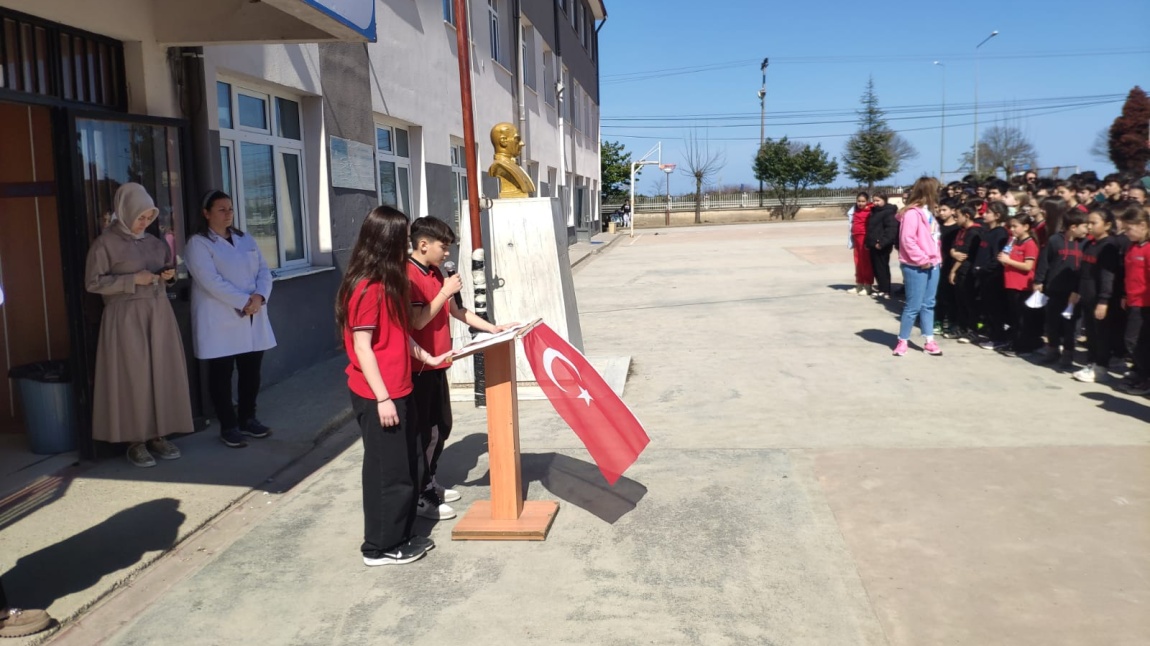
x=899, y=348
x=932, y=348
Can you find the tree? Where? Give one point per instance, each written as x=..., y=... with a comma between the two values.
x=875, y=152
x=789, y=167
x=1100, y=149
x=615, y=164
x=1001, y=146
x=701, y=165
x=1130, y=134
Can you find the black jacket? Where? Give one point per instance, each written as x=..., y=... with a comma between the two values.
x=882, y=227
x=991, y=243
x=1100, y=280
x=1058, y=265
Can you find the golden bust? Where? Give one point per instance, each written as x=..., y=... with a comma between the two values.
x=513, y=181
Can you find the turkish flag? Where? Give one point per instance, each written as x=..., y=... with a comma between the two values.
x=608, y=429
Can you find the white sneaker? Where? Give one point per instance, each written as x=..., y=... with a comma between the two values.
x=1086, y=375
x=430, y=507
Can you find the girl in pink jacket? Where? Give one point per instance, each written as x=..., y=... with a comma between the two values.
x=920, y=255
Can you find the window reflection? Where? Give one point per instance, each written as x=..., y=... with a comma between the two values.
x=260, y=199
x=113, y=153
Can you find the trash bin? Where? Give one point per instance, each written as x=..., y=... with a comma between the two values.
x=611, y=227
x=46, y=397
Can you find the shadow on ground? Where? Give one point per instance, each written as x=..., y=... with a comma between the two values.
x=574, y=481
x=1120, y=405
x=78, y=563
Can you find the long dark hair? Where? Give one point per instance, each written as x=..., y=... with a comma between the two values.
x=379, y=256
x=1054, y=209
x=210, y=199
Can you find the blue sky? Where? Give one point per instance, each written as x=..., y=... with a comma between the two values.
x=671, y=58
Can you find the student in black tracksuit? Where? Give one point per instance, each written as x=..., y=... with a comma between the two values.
x=881, y=235
x=991, y=291
x=962, y=275
x=1057, y=277
x=946, y=306
x=1100, y=295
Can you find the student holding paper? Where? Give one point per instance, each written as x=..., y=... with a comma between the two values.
x=433, y=299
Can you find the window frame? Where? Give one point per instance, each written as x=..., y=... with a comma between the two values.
x=232, y=138
x=449, y=12
x=459, y=177
x=549, y=91
x=530, y=73
x=493, y=30
x=400, y=162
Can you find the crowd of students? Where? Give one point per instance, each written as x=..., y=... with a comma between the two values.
x=1024, y=269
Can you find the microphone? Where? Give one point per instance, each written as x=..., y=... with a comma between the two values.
x=449, y=269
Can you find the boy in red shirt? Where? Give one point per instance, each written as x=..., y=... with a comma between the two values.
x=432, y=302
x=1137, y=301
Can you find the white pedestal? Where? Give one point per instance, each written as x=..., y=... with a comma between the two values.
x=531, y=275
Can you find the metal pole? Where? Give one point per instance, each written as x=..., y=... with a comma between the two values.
x=668, y=171
x=976, y=59
x=632, y=201
x=942, y=133
x=762, y=122
x=478, y=269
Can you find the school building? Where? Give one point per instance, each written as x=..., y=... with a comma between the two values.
x=308, y=112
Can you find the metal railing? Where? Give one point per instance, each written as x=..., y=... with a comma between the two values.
x=733, y=201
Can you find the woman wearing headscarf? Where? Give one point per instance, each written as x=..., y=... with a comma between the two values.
x=230, y=325
x=141, y=387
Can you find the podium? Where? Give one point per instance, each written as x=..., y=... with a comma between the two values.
x=507, y=516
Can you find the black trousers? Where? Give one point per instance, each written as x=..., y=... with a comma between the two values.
x=966, y=305
x=993, y=306
x=880, y=262
x=1060, y=331
x=220, y=387
x=392, y=471
x=1102, y=337
x=1138, y=339
x=432, y=398
x=946, y=301
x=1025, y=324
x=3, y=597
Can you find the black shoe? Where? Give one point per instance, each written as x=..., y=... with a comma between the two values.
x=254, y=428
x=232, y=438
x=401, y=555
x=1049, y=355
x=422, y=541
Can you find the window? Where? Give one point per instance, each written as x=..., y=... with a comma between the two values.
x=393, y=157
x=261, y=162
x=493, y=29
x=459, y=179
x=575, y=99
x=584, y=28
x=449, y=11
x=548, y=77
x=578, y=20
x=528, y=56
x=562, y=5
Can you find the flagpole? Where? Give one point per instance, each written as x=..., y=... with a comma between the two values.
x=478, y=264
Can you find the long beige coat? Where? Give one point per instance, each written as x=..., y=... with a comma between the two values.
x=141, y=389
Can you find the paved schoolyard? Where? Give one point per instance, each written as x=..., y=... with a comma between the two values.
x=801, y=487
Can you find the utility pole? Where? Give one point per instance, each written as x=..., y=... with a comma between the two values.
x=763, y=118
x=976, y=48
x=942, y=134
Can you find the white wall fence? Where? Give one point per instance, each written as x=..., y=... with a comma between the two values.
x=732, y=201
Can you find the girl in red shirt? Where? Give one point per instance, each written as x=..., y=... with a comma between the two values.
x=1137, y=301
x=1018, y=260
x=858, y=215
x=372, y=311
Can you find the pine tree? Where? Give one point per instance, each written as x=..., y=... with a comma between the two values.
x=1130, y=134
x=868, y=157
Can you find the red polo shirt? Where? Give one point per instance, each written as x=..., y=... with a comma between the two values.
x=1137, y=272
x=367, y=309
x=1021, y=252
x=435, y=337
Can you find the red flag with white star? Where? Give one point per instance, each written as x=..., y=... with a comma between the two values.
x=608, y=429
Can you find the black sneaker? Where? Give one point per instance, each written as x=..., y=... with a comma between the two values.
x=406, y=553
x=232, y=438
x=254, y=428
x=422, y=541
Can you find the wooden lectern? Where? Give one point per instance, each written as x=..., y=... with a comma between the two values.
x=506, y=517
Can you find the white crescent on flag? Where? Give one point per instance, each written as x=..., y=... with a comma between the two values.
x=549, y=357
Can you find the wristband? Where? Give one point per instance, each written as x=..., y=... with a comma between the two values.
x=385, y=399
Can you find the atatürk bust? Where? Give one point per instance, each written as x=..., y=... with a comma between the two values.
x=513, y=181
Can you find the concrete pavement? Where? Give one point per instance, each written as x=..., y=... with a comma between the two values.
x=802, y=486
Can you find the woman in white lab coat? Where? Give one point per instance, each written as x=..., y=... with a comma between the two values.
x=231, y=285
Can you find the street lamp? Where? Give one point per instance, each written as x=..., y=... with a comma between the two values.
x=668, y=169
x=942, y=132
x=976, y=48
x=762, y=118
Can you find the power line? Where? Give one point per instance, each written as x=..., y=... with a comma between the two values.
x=849, y=134
x=637, y=76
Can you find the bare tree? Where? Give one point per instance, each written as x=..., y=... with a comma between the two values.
x=1001, y=146
x=1100, y=149
x=702, y=165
